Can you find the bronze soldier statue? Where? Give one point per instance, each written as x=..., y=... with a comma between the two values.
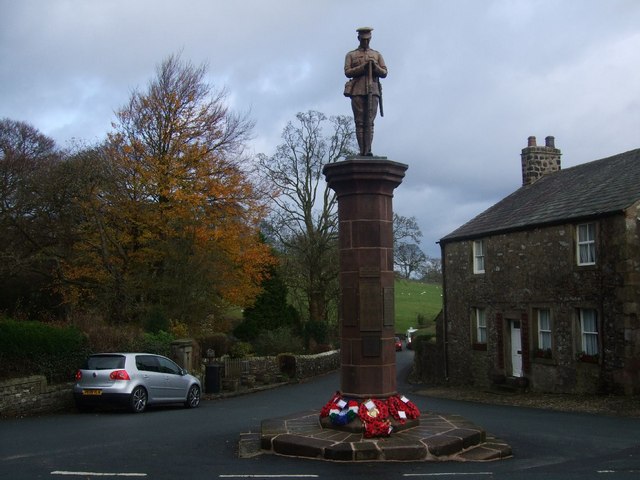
x=365, y=67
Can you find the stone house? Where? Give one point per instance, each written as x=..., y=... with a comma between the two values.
x=543, y=288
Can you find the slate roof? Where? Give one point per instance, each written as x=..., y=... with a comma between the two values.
x=593, y=189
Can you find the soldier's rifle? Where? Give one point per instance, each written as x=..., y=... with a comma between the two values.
x=370, y=93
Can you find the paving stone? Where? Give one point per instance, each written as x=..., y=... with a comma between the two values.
x=333, y=435
x=266, y=442
x=339, y=451
x=480, y=453
x=402, y=450
x=469, y=437
x=366, y=451
x=501, y=446
x=443, y=445
x=249, y=445
x=273, y=427
x=300, y=446
x=408, y=424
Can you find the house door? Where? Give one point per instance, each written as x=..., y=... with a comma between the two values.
x=516, y=349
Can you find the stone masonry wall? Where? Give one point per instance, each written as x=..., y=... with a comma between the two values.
x=528, y=270
x=33, y=395
x=313, y=365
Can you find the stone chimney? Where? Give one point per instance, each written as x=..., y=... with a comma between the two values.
x=539, y=161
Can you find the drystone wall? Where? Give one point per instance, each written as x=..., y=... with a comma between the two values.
x=33, y=395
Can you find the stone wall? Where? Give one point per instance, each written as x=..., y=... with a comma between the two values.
x=313, y=365
x=534, y=269
x=33, y=395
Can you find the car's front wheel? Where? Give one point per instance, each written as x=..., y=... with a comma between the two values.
x=138, y=400
x=193, y=397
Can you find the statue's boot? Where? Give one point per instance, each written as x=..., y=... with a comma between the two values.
x=360, y=136
x=367, y=140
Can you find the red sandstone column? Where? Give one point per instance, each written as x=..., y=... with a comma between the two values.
x=364, y=187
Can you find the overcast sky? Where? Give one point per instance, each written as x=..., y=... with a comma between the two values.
x=469, y=80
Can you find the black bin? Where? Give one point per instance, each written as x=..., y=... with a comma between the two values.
x=212, y=378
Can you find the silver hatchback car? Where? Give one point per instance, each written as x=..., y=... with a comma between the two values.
x=134, y=380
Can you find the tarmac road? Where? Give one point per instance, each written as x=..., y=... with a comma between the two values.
x=168, y=443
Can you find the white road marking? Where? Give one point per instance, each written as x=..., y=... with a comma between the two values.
x=269, y=476
x=445, y=474
x=97, y=474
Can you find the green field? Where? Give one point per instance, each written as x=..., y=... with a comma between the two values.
x=416, y=298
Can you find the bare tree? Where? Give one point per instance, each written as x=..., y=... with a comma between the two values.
x=409, y=258
x=29, y=226
x=431, y=271
x=304, y=222
x=404, y=229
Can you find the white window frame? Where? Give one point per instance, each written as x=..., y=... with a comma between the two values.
x=545, y=339
x=589, y=336
x=480, y=325
x=586, y=244
x=478, y=256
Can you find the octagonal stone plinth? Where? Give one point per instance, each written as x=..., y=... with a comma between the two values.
x=437, y=438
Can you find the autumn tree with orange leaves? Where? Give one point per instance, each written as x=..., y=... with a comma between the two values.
x=172, y=220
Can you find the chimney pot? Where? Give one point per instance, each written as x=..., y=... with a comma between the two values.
x=550, y=141
x=531, y=142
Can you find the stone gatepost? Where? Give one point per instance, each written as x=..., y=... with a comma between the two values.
x=364, y=188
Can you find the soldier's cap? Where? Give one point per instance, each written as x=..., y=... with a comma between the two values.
x=364, y=32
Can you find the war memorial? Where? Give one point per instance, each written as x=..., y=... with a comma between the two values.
x=368, y=419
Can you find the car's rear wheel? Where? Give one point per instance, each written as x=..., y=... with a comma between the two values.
x=138, y=400
x=193, y=397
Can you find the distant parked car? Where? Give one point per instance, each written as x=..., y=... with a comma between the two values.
x=134, y=380
x=398, y=344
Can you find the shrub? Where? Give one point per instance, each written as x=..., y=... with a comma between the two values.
x=158, y=343
x=273, y=342
x=179, y=329
x=270, y=310
x=422, y=339
x=240, y=350
x=103, y=337
x=30, y=347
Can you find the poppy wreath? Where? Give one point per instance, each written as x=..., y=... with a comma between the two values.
x=401, y=408
x=375, y=418
x=339, y=411
x=324, y=412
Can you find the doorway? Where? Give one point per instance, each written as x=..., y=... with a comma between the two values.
x=516, y=348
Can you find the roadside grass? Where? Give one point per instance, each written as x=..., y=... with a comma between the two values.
x=417, y=304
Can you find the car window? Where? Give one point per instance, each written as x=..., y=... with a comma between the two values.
x=105, y=362
x=147, y=363
x=167, y=366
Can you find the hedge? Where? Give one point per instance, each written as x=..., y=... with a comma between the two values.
x=29, y=347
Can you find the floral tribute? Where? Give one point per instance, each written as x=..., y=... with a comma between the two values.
x=375, y=414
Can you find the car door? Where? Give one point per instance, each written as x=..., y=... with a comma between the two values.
x=175, y=383
x=152, y=377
